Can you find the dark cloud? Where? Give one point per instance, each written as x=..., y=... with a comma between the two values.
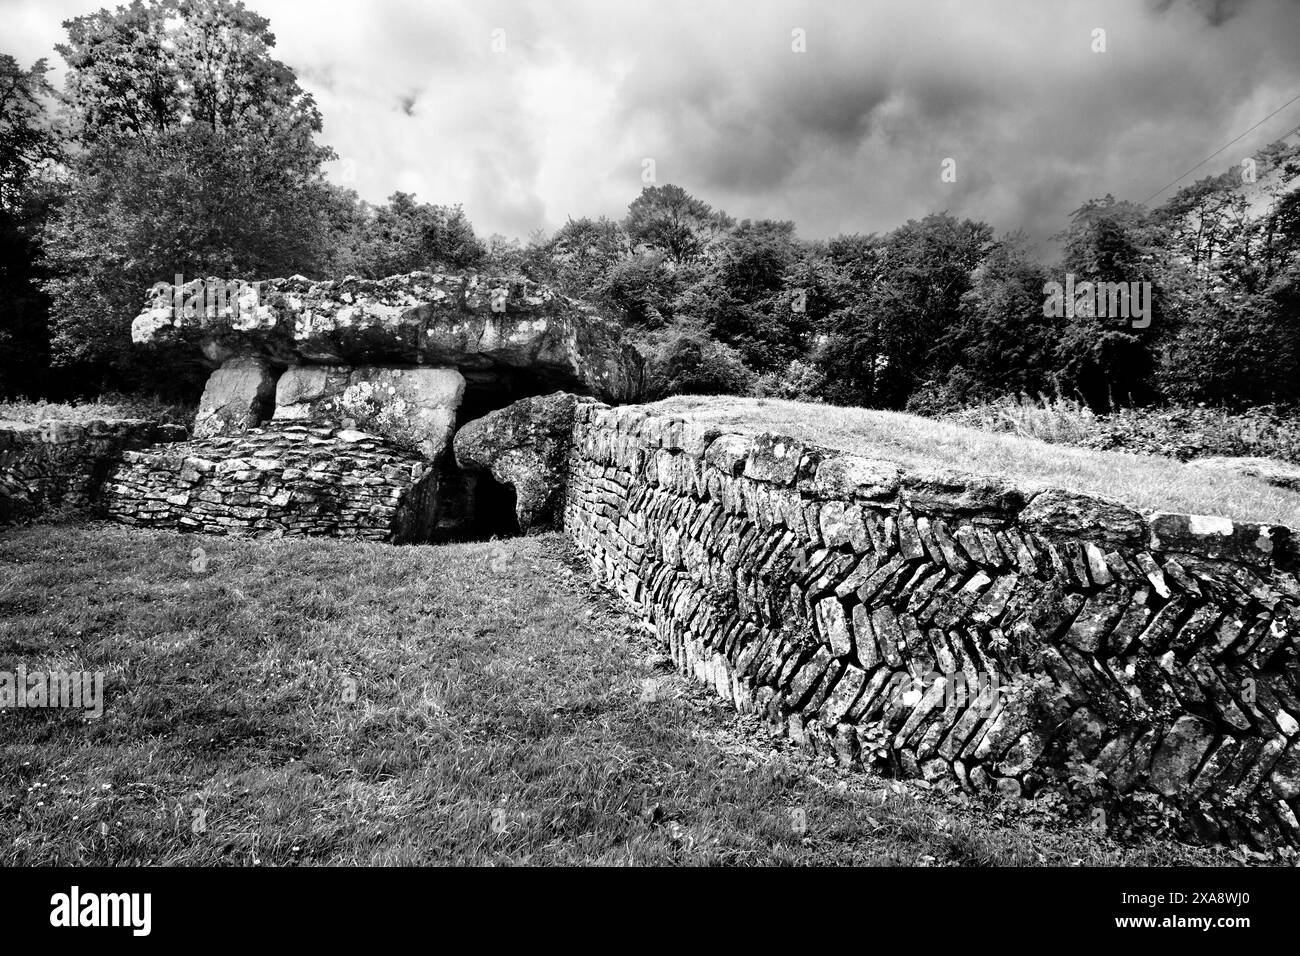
x=845, y=137
x=1216, y=12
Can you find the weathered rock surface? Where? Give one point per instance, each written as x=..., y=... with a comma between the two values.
x=414, y=407
x=1064, y=512
x=525, y=445
x=285, y=480
x=238, y=395
x=1244, y=542
x=63, y=464
x=467, y=322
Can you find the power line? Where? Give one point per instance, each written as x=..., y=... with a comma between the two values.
x=1222, y=148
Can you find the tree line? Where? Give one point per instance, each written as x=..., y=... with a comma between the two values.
x=180, y=145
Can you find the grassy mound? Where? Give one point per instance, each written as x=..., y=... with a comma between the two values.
x=1144, y=482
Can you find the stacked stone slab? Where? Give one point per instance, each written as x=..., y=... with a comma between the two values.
x=285, y=480
x=1144, y=666
x=63, y=464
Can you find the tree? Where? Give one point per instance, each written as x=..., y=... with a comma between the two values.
x=1233, y=353
x=883, y=343
x=510, y=257
x=1237, y=341
x=27, y=140
x=643, y=288
x=669, y=219
x=1000, y=342
x=745, y=296
x=1104, y=358
x=195, y=156
x=585, y=251
x=405, y=236
x=684, y=359
x=27, y=145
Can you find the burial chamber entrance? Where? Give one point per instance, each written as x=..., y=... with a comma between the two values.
x=472, y=505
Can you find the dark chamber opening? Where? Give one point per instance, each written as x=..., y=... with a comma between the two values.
x=486, y=390
x=472, y=506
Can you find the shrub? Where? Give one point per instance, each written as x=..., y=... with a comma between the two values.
x=684, y=359
x=1060, y=420
x=108, y=405
x=798, y=381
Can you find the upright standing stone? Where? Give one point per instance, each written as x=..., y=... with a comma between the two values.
x=238, y=396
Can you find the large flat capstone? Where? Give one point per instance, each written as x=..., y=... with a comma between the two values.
x=469, y=322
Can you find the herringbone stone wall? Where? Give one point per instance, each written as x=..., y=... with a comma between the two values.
x=1032, y=644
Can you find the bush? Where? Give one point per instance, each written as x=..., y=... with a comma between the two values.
x=1199, y=432
x=685, y=360
x=1062, y=421
x=1174, y=432
x=958, y=391
x=108, y=405
x=799, y=381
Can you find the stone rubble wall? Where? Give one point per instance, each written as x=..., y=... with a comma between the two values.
x=63, y=464
x=1028, y=643
x=284, y=480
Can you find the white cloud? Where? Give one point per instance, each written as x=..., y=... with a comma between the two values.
x=846, y=137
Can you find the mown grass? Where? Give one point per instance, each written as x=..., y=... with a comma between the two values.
x=1144, y=482
x=315, y=702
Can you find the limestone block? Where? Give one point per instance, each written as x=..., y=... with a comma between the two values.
x=414, y=407
x=525, y=445
x=237, y=396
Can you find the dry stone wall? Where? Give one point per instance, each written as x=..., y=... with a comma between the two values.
x=63, y=464
x=1135, y=670
x=285, y=480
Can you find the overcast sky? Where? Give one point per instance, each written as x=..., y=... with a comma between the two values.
x=849, y=136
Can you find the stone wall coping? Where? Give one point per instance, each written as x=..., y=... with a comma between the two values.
x=820, y=473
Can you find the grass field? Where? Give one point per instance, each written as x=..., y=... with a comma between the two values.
x=1144, y=482
x=316, y=702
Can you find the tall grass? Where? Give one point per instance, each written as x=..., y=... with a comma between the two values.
x=1143, y=481
x=1059, y=420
